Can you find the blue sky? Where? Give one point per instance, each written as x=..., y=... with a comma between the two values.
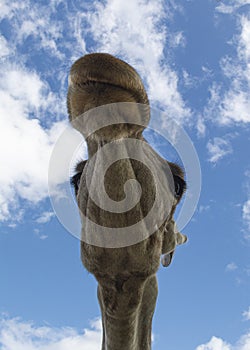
x=194, y=58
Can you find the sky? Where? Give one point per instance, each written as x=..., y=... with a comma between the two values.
x=194, y=59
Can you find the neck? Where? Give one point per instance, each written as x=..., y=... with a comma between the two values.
x=127, y=312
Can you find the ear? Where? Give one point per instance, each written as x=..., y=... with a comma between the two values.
x=75, y=180
x=167, y=259
x=171, y=238
x=181, y=238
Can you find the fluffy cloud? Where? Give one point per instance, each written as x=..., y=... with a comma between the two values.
x=45, y=217
x=246, y=214
x=232, y=105
x=42, y=35
x=25, y=145
x=33, y=22
x=229, y=6
x=214, y=344
x=218, y=148
x=137, y=32
x=4, y=50
x=219, y=344
x=246, y=314
x=19, y=335
x=231, y=267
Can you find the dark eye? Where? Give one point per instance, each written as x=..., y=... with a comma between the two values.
x=177, y=189
x=75, y=181
x=179, y=186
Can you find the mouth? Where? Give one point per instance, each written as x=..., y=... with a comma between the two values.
x=101, y=79
x=81, y=83
x=101, y=68
x=98, y=79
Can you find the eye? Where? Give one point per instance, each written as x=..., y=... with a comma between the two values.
x=179, y=186
x=75, y=181
x=177, y=189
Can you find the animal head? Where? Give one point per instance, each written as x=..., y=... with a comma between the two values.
x=100, y=79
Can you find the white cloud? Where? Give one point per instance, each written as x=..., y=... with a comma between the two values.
x=244, y=45
x=246, y=214
x=231, y=104
x=23, y=86
x=50, y=30
x=231, y=267
x=236, y=107
x=231, y=5
x=40, y=235
x=4, y=49
x=201, y=127
x=18, y=335
x=136, y=31
x=187, y=79
x=204, y=208
x=246, y=207
x=45, y=217
x=214, y=344
x=177, y=39
x=25, y=146
x=218, y=148
x=246, y=314
x=193, y=80
x=28, y=19
x=219, y=344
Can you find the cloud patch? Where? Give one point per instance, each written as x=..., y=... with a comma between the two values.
x=25, y=145
x=45, y=217
x=19, y=335
x=246, y=314
x=246, y=214
x=34, y=22
x=231, y=267
x=218, y=148
x=230, y=6
x=219, y=344
x=230, y=103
